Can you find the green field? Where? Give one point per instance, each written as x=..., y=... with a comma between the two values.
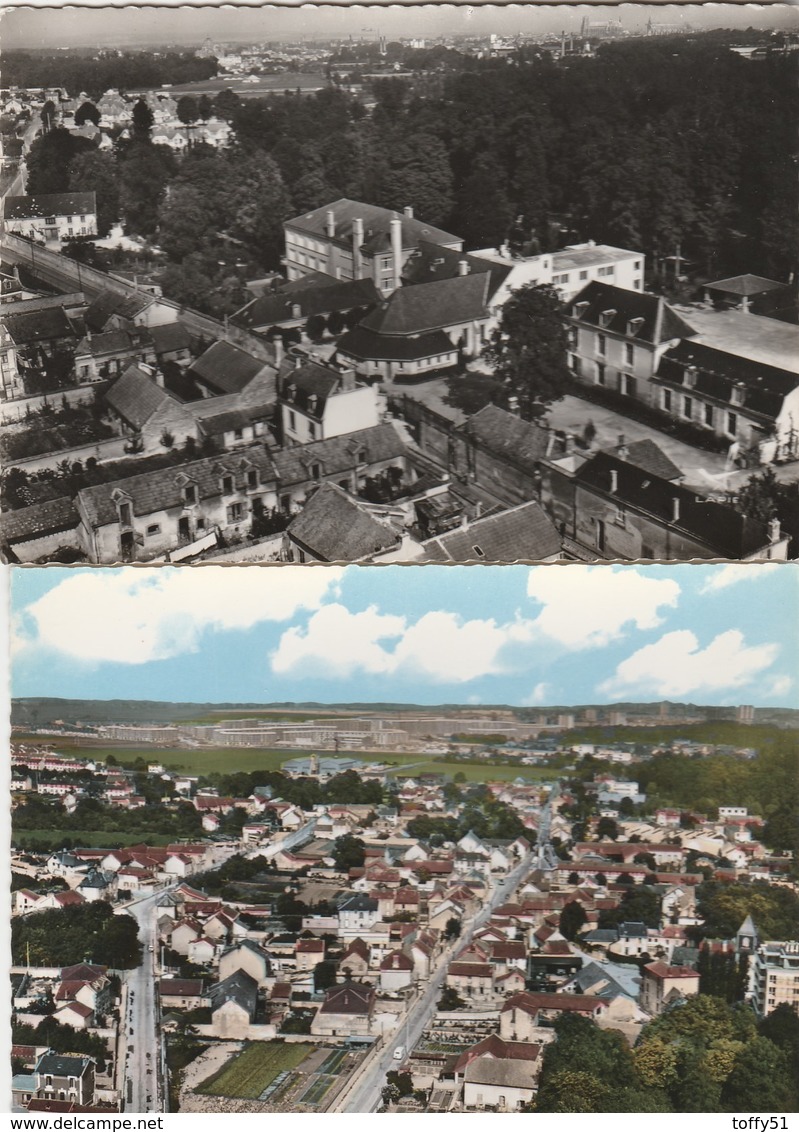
x=90, y=838
x=251, y=1071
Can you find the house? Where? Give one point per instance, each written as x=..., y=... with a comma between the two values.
x=145, y=410
x=159, y=512
x=606, y=506
x=312, y=296
x=748, y=403
x=352, y=240
x=470, y=979
x=499, y=1075
x=51, y=216
x=662, y=985
x=74, y=1014
x=420, y=329
x=522, y=1013
x=11, y=384
x=617, y=338
x=61, y=1077
x=357, y=914
x=396, y=972
x=122, y=310
x=233, y=1005
x=309, y=952
x=334, y=527
x=348, y=1009
x=225, y=368
x=34, y=334
x=99, y=357
x=233, y=428
x=354, y=963
x=521, y=533
x=317, y=402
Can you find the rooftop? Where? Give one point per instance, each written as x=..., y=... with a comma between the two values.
x=636, y=315
x=431, y=306
x=376, y=225
x=48, y=204
x=334, y=527
x=752, y=336
x=227, y=368
x=523, y=532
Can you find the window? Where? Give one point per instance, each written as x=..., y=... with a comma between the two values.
x=732, y=424
x=285, y=504
x=125, y=514
x=574, y=364
x=628, y=385
x=292, y=420
x=50, y=220
x=154, y=529
x=709, y=415
x=238, y=433
x=252, y=478
x=190, y=494
x=687, y=408
x=583, y=274
x=311, y=430
x=83, y=219
x=620, y=518
x=479, y=551
x=667, y=400
x=316, y=471
x=629, y=353
x=235, y=512
x=227, y=485
x=637, y=265
x=601, y=344
x=600, y=374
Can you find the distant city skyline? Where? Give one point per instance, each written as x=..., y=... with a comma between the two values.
x=36, y=27
x=520, y=635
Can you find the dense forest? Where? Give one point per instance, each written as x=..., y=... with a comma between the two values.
x=653, y=144
x=79, y=73
x=84, y=933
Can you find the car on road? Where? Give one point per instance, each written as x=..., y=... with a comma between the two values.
x=399, y=1053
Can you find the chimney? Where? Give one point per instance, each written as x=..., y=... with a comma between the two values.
x=277, y=344
x=159, y=378
x=347, y=380
x=357, y=243
x=513, y=405
x=408, y=211
x=464, y=521
x=623, y=452
x=614, y=481
x=774, y=531
x=463, y=267
x=568, y=444
x=396, y=251
x=330, y=223
x=675, y=509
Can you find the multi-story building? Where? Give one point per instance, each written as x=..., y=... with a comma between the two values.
x=774, y=976
x=662, y=985
x=321, y=401
x=351, y=240
x=51, y=216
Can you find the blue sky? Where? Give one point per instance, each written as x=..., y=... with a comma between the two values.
x=512, y=634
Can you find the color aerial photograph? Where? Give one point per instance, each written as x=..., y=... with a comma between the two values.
x=383, y=284
x=411, y=840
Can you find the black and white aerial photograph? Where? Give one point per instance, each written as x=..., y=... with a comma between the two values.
x=431, y=284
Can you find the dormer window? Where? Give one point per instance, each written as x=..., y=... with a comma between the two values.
x=252, y=478
x=606, y=317
x=296, y=310
x=227, y=485
x=313, y=401
x=633, y=326
x=737, y=393
x=316, y=471
x=690, y=376
x=125, y=514
x=580, y=309
x=291, y=392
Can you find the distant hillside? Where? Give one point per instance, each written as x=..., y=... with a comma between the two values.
x=44, y=711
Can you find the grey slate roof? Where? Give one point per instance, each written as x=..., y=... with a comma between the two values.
x=376, y=226
x=159, y=490
x=109, y=303
x=275, y=307
x=226, y=368
x=240, y=988
x=363, y=344
x=41, y=519
x=659, y=323
x=136, y=396
x=339, y=454
x=506, y=435
x=523, y=532
x=646, y=455
x=334, y=528
x=48, y=204
x=38, y=326
x=717, y=373
x=431, y=306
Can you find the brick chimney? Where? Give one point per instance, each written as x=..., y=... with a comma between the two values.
x=330, y=223
x=463, y=267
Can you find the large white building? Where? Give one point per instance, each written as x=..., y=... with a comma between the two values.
x=774, y=976
x=51, y=216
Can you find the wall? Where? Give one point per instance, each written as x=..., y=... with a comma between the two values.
x=33, y=549
x=111, y=449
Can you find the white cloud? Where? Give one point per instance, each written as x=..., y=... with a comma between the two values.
x=440, y=646
x=132, y=616
x=676, y=666
x=779, y=686
x=539, y=695
x=596, y=606
x=724, y=576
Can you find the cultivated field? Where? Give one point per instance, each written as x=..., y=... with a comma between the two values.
x=254, y=1069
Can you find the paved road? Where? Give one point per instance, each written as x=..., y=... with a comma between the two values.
x=366, y=1097
x=141, y=1042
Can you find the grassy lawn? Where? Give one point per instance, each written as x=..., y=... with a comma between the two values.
x=91, y=838
x=251, y=1071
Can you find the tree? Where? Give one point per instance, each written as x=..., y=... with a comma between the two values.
x=205, y=108
x=143, y=120
x=48, y=115
x=760, y=1079
x=315, y=327
x=324, y=975
x=528, y=349
x=87, y=112
x=187, y=110
x=450, y=1000
x=348, y=853
x=452, y=928
x=472, y=391
x=572, y=918
x=96, y=172
x=607, y=827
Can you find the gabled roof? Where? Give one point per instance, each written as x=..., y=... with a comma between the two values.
x=431, y=306
x=506, y=435
x=717, y=373
x=240, y=988
x=720, y=527
x=376, y=226
x=348, y=998
x=40, y=519
x=431, y=262
x=161, y=489
x=334, y=528
x=227, y=368
x=339, y=454
x=48, y=204
x=170, y=336
x=275, y=307
x=615, y=308
x=646, y=455
x=136, y=396
x=38, y=326
x=523, y=532
x=109, y=303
